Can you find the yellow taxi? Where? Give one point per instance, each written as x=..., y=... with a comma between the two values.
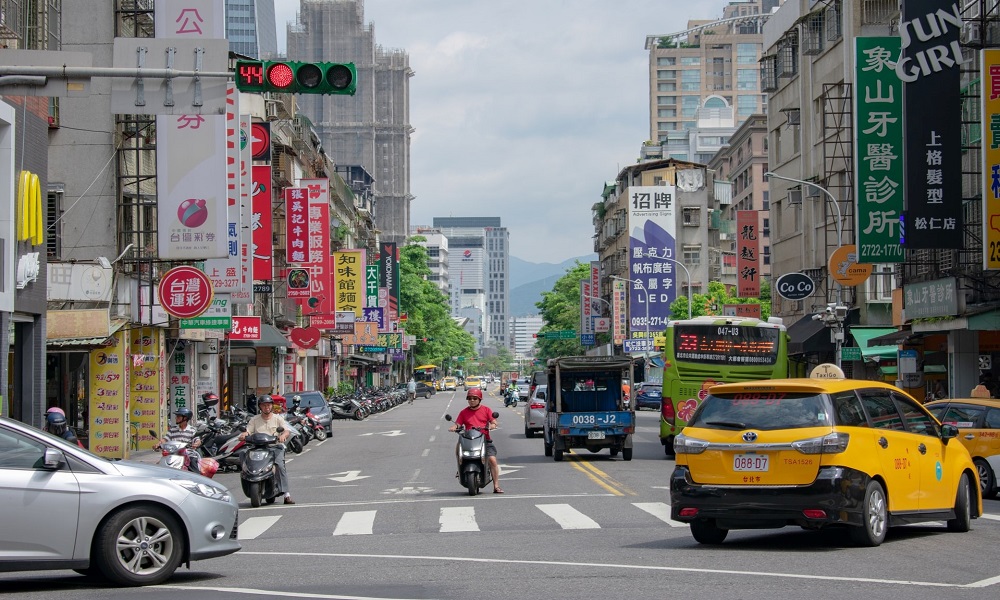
x=978, y=422
x=449, y=383
x=472, y=381
x=818, y=452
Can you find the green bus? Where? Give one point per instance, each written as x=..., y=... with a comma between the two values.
x=705, y=351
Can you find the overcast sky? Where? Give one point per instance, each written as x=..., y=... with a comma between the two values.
x=522, y=109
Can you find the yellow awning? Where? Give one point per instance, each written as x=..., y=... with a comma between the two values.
x=423, y=367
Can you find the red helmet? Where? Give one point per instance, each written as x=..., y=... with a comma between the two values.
x=474, y=393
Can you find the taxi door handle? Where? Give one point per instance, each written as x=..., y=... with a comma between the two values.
x=883, y=442
x=922, y=449
x=970, y=436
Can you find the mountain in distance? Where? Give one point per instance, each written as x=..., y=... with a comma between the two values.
x=528, y=280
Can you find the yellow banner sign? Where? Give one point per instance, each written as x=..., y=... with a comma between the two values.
x=109, y=380
x=349, y=281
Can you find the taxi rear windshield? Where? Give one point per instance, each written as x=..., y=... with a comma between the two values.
x=773, y=410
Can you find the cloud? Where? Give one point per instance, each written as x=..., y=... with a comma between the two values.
x=524, y=108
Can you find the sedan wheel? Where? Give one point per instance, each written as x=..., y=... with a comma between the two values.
x=139, y=546
x=987, y=480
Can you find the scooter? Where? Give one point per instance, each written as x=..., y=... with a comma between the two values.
x=346, y=408
x=177, y=455
x=473, y=469
x=510, y=399
x=259, y=475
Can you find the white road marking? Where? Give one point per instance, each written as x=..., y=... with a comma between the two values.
x=990, y=517
x=660, y=510
x=254, y=526
x=433, y=437
x=458, y=518
x=425, y=452
x=359, y=522
x=568, y=517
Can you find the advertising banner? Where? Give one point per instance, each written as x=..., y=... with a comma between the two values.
x=618, y=311
x=227, y=273
x=389, y=277
x=109, y=380
x=348, y=273
x=991, y=157
x=371, y=285
x=297, y=226
x=747, y=254
x=652, y=227
x=929, y=35
x=586, y=324
x=595, y=288
x=180, y=379
x=261, y=224
x=879, y=149
x=147, y=398
x=245, y=328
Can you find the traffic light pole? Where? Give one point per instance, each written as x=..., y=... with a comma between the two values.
x=86, y=72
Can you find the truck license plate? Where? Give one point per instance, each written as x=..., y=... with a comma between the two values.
x=750, y=462
x=595, y=435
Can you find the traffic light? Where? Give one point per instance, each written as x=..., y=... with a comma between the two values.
x=289, y=77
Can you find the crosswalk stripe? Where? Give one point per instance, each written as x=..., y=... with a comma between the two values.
x=660, y=510
x=990, y=517
x=568, y=517
x=458, y=518
x=254, y=526
x=359, y=522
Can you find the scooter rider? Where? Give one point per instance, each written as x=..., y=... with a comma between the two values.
x=56, y=424
x=267, y=421
x=478, y=415
x=184, y=431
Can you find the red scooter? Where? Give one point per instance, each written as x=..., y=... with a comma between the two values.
x=177, y=455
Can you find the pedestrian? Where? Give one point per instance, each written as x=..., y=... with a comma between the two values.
x=411, y=389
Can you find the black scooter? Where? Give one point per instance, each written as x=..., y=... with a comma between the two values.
x=347, y=408
x=259, y=474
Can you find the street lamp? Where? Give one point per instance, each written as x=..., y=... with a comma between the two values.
x=836, y=206
x=686, y=274
x=643, y=288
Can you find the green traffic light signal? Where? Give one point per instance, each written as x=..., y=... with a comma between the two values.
x=292, y=77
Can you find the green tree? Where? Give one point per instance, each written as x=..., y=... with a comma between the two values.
x=713, y=302
x=503, y=360
x=560, y=310
x=427, y=310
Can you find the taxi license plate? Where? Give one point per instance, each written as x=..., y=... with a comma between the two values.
x=750, y=462
x=595, y=435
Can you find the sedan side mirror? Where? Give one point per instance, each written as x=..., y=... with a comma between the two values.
x=53, y=459
x=948, y=431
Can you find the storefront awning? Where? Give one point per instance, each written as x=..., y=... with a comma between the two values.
x=270, y=337
x=71, y=343
x=808, y=336
x=894, y=337
x=366, y=360
x=863, y=334
x=422, y=367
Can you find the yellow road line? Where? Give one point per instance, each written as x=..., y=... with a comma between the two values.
x=599, y=477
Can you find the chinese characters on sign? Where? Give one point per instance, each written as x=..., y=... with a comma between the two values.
x=146, y=383
x=109, y=380
x=261, y=224
x=297, y=225
x=991, y=157
x=618, y=312
x=245, y=328
x=748, y=254
x=652, y=229
x=879, y=149
x=939, y=298
x=348, y=273
x=185, y=292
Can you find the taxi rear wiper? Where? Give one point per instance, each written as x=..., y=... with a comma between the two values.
x=733, y=424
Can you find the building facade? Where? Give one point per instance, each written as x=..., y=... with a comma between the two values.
x=523, y=330
x=438, y=257
x=372, y=128
x=250, y=28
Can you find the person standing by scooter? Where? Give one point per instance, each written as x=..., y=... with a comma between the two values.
x=267, y=421
x=478, y=415
x=183, y=431
x=411, y=389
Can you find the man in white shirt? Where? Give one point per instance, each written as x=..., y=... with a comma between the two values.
x=267, y=421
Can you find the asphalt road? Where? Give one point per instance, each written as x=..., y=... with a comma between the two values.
x=380, y=514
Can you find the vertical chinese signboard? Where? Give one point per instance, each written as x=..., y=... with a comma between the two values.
x=261, y=224
x=747, y=254
x=145, y=404
x=991, y=157
x=879, y=150
x=109, y=380
x=932, y=128
x=348, y=274
x=389, y=277
x=371, y=286
x=319, y=262
x=618, y=312
x=297, y=225
x=652, y=228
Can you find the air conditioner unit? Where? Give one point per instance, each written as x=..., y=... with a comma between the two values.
x=791, y=116
x=795, y=196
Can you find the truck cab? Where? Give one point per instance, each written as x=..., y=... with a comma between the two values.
x=587, y=407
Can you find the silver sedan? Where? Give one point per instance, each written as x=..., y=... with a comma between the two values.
x=131, y=523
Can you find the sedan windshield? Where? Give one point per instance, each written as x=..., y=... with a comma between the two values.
x=771, y=410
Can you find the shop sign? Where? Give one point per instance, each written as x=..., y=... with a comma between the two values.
x=845, y=269
x=185, y=292
x=795, y=286
x=937, y=298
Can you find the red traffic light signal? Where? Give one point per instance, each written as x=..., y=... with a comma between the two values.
x=292, y=77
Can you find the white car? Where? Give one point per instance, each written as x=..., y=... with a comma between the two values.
x=534, y=413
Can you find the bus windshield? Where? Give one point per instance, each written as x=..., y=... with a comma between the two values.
x=728, y=344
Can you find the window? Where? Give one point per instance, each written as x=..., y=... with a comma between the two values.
x=692, y=254
x=917, y=421
x=832, y=18
x=690, y=60
x=20, y=452
x=746, y=54
x=689, y=105
x=666, y=87
x=881, y=283
x=746, y=79
x=691, y=216
x=787, y=64
x=963, y=416
x=666, y=112
x=812, y=40
x=746, y=105
x=881, y=409
x=666, y=74
x=665, y=61
x=992, y=419
x=666, y=100
x=768, y=74
x=848, y=411
x=690, y=80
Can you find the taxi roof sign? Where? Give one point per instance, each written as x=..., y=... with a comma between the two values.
x=827, y=371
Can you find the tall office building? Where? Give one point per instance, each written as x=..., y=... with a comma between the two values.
x=478, y=271
x=708, y=63
x=250, y=28
x=437, y=257
x=372, y=128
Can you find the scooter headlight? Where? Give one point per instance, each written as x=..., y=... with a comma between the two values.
x=471, y=453
x=258, y=454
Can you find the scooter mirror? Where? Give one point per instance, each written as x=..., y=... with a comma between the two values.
x=447, y=417
x=280, y=430
x=496, y=415
x=153, y=433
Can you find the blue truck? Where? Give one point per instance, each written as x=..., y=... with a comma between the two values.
x=586, y=407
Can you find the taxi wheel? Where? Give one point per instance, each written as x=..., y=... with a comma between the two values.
x=987, y=480
x=707, y=532
x=874, y=517
x=963, y=517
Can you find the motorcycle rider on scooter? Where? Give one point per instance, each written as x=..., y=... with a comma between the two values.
x=183, y=431
x=56, y=424
x=478, y=415
x=267, y=421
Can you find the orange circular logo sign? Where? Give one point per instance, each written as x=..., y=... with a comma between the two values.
x=845, y=268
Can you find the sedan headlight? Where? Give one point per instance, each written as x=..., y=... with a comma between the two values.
x=689, y=445
x=203, y=489
x=833, y=443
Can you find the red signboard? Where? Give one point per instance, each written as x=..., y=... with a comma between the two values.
x=185, y=292
x=747, y=254
x=245, y=328
x=296, y=226
x=261, y=223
